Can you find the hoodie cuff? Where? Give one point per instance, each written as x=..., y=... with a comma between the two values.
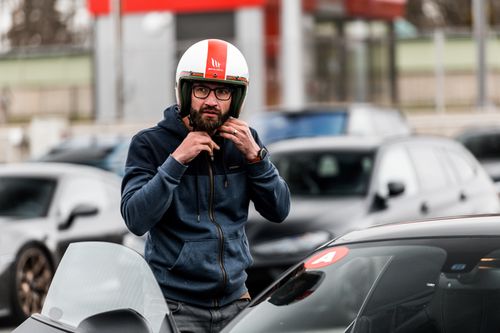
x=257, y=168
x=173, y=168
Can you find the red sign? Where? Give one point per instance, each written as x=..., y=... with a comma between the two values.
x=326, y=257
x=385, y=9
x=103, y=7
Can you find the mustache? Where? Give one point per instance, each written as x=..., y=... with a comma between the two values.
x=211, y=108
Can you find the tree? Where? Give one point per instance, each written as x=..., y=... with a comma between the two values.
x=38, y=23
x=450, y=13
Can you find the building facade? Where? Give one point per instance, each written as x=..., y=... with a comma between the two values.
x=299, y=51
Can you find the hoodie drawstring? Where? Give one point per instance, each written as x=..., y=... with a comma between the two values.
x=197, y=192
x=226, y=178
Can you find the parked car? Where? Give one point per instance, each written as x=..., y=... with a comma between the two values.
x=484, y=144
x=340, y=184
x=322, y=120
x=426, y=277
x=104, y=152
x=43, y=208
x=102, y=288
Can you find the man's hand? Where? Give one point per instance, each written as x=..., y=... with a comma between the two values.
x=238, y=131
x=193, y=145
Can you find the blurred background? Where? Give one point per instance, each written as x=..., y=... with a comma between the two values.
x=79, y=77
x=82, y=67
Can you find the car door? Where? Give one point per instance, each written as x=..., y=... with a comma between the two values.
x=394, y=165
x=475, y=191
x=105, y=225
x=438, y=191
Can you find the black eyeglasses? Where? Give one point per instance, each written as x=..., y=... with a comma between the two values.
x=221, y=93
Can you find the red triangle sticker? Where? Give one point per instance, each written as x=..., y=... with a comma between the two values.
x=326, y=257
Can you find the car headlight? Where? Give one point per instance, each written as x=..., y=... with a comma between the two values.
x=293, y=244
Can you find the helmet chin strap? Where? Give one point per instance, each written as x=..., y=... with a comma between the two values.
x=191, y=124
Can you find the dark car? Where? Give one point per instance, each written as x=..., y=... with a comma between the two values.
x=107, y=153
x=340, y=184
x=484, y=144
x=425, y=277
x=329, y=120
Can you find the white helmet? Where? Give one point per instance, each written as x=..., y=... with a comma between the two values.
x=212, y=60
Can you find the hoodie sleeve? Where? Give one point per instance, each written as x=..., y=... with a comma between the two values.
x=269, y=192
x=146, y=190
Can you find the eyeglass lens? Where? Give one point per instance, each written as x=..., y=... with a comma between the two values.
x=221, y=93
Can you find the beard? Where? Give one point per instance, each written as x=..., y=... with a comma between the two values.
x=207, y=125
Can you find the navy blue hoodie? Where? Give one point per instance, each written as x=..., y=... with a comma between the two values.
x=195, y=214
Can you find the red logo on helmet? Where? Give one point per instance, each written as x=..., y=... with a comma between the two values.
x=216, y=59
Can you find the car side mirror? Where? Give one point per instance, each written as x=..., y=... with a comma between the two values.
x=78, y=211
x=122, y=320
x=395, y=188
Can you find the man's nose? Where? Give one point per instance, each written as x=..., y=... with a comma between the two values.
x=211, y=99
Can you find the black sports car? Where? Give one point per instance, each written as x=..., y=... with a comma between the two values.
x=423, y=277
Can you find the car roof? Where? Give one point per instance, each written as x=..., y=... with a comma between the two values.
x=78, y=154
x=325, y=142
x=478, y=131
x=487, y=225
x=47, y=169
x=353, y=142
x=340, y=107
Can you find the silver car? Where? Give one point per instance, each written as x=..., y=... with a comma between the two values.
x=340, y=184
x=43, y=208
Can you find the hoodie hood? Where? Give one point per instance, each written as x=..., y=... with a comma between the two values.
x=172, y=122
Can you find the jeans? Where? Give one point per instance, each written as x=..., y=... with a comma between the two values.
x=194, y=319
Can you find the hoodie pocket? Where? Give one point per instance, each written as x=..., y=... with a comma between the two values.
x=197, y=258
x=237, y=256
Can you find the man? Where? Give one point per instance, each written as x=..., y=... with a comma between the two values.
x=189, y=181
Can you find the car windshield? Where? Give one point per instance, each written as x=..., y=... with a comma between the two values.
x=275, y=127
x=385, y=287
x=95, y=277
x=25, y=197
x=326, y=173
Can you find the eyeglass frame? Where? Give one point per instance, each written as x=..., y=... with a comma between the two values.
x=231, y=90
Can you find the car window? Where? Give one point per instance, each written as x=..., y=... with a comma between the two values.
x=326, y=172
x=461, y=165
x=430, y=172
x=411, y=286
x=26, y=197
x=395, y=165
x=483, y=146
x=83, y=190
x=275, y=127
x=362, y=281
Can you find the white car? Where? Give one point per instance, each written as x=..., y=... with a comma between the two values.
x=43, y=208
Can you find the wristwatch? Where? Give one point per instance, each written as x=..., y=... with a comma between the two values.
x=261, y=154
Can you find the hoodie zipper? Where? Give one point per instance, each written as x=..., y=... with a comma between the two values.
x=211, y=215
